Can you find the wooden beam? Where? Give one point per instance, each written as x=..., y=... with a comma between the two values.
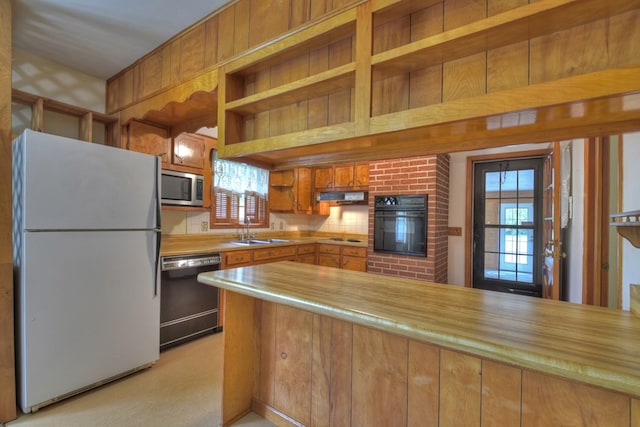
x=7, y=361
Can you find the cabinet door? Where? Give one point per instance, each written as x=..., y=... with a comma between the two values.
x=303, y=190
x=323, y=178
x=362, y=175
x=281, y=178
x=188, y=150
x=148, y=139
x=343, y=176
x=329, y=260
x=354, y=263
x=281, y=199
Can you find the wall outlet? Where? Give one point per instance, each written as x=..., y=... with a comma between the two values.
x=273, y=225
x=204, y=226
x=281, y=225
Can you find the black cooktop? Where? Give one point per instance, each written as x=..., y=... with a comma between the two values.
x=340, y=239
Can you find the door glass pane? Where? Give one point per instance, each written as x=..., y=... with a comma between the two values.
x=491, y=270
x=491, y=240
x=492, y=211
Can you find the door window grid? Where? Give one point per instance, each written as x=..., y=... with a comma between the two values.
x=511, y=257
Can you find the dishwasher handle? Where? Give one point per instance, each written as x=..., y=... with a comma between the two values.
x=190, y=261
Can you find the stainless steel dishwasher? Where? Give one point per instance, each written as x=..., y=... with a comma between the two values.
x=188, y=309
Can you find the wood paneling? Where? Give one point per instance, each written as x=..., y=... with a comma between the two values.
x=380, y=364
x=7, y=365
x=635, y=413
x=238, y=344
x=550, y=401
x=293, y=363
x=226, y=31
x=267, y=334
x=192, y=52
x=501, y=395
x=321, y=372
x=242, y=26
x=460, y=12
x=508, y=67
x=423, y=384
x=341, y=371
x=460, y=384
x=269, y=19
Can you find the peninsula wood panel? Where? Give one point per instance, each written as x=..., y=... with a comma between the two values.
x=341, y=372
x=321, y=372
x=460, y=384
x=379, y=369
x=501, y=395
x=423, y=384
x=293, y=363
x=547, y=400
x=635, y=413
x=326, y=372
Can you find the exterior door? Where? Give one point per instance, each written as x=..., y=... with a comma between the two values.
x=552, y=244
x=507, y=218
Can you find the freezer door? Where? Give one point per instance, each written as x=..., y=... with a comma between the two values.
x=69, y=184
x=88, y=309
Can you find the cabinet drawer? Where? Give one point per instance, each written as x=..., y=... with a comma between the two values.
x=275, y=252
x=351, y=251
x=236, y=257
x=328, y=249
x=306, y=249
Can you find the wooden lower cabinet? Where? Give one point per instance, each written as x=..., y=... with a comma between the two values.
x=320, y=371
x=339, y=256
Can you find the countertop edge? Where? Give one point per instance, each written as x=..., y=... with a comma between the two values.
x=609, y=379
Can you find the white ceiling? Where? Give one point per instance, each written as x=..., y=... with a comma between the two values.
x=101, y=37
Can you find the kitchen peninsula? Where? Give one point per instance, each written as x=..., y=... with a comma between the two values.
x=312, y=345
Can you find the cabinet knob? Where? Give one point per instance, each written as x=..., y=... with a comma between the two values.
x=283, y=355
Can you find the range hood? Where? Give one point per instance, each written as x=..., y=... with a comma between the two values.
x=344, y=197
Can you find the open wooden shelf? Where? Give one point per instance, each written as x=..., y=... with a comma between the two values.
x=533, y=20
x=294, y=44
x=320, y=84
x=628, y=226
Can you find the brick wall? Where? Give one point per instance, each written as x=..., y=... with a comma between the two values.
x=414, y=175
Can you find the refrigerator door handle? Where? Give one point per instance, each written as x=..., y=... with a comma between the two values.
x=158, y=226
x=158, y=263
x=158, y=194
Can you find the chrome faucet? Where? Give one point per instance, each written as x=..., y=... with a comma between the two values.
x=247, y=221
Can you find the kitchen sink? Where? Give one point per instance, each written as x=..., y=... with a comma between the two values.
x=252, y=242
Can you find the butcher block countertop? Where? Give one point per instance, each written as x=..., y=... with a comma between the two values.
x=589, y=344
x=205, y=243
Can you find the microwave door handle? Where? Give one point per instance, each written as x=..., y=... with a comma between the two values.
x=186, y=188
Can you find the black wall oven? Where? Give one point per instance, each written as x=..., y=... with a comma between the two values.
x=400, y=224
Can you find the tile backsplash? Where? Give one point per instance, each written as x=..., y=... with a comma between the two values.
x=352, y=219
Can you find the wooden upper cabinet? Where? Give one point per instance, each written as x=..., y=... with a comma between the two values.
x=290, y=191
x=189, y=151
x=361, y=175
x=145, y=138
x=303, y=190
x=343, y=176
x=323, y=178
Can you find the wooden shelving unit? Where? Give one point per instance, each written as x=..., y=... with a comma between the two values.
x=276, y=82
x=418, y=66
x=628, y=226
x=516, y=25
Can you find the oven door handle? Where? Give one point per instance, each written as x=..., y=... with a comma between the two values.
x=405, y=214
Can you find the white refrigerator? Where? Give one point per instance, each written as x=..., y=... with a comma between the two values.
x=86, y=240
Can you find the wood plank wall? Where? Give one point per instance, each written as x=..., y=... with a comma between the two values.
x=583, y=49
x=7, y=370
x=220, y=36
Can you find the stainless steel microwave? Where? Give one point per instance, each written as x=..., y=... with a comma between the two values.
x=182, y=188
